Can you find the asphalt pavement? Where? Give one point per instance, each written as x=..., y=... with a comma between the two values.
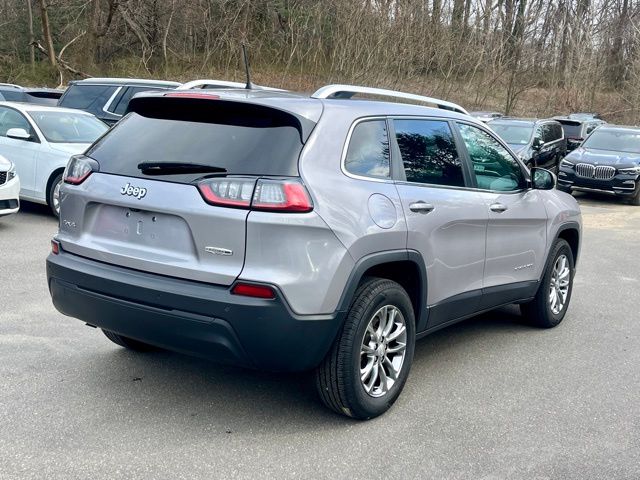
x=490, y=398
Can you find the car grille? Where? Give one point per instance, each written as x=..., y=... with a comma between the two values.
x=602, y=172
x=3, y=177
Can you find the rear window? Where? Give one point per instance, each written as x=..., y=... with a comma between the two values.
x=242, y=139
x=86, y=97
x=572, y=129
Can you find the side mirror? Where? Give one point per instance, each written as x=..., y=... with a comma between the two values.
x=542, y=179
x=18, y=134
x=537, y=143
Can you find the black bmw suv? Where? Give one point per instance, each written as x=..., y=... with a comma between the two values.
x=607, y=161
x=538, y=143
x=108, y=98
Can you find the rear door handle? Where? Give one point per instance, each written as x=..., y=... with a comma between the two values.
x=421, y=207
x=498, y=207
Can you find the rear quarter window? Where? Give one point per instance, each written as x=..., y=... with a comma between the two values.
x=368, y=151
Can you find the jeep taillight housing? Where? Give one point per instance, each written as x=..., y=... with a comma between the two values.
x=78, y=169
x=271, y=195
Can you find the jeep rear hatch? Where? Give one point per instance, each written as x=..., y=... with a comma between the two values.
x=169, y=188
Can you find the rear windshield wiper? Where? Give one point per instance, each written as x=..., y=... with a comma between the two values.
x=170, y=168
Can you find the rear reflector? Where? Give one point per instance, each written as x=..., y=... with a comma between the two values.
x=252, y=290
x=55, y=247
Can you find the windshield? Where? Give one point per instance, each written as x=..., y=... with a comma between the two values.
x=513, y=134
x=68, y=127
x=627, y=141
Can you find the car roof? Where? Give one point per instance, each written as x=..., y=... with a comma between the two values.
x=312, y=108
x=32, y=107
x=610, y=127
x=484, y=112
x=125, y=81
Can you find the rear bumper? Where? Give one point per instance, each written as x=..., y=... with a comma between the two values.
x=189, y=317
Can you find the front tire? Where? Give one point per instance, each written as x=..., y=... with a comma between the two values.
x=366, y=369
x=635, y=200
x=128, y=343
x=551, y=302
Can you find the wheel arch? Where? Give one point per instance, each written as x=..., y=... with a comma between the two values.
x=570, y=232
x=405, y=267
x=50, y=180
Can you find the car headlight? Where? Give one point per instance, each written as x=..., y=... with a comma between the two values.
x=566, y=163
x=632, y=170
x=12, y=172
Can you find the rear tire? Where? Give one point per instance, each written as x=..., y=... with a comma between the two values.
x=551, y=302
x=364, y=372
x=129, y=343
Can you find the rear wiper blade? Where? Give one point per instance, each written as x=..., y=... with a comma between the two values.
x=170, y=168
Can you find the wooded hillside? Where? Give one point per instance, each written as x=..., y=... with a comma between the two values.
x=535, y=57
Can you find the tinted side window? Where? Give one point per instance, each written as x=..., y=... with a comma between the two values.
x=368, y=152
x=13, y=95
x=428, y=152
x=123, y=102
x=493, y=165
x=87, y=97
x=547, y=132
x=9, y=119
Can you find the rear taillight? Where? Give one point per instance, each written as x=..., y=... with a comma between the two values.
x=267, y=195
x=78, y=169
x=227, y=192
x=281, y=196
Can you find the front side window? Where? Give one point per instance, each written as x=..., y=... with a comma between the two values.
x=493, y=166
x=368, y=152
x=10, y=118
x=428, y=152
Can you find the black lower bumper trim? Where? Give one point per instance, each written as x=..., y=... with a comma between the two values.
x=189, y=317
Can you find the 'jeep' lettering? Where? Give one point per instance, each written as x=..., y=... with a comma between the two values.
x=132, y=191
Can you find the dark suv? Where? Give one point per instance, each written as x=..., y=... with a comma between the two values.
x=39, y=96
x=108, y=98
x=577, y=127
x=538, y=143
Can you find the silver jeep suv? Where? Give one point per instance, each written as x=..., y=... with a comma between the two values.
x=285, y=232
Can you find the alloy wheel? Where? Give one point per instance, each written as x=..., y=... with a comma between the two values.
x=383, y=349
x=559, y=284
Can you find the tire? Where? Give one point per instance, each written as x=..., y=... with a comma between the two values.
x=635, y=200
x=129, y=343
x=338, y=378
x=52, y=200
x=541, y=312
x=563, y=189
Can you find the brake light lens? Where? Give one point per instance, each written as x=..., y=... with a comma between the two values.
x=78, y=169
x=227, y=192
x=267, y=195
x=281, y=196
x=204, y=96
x=253, y=290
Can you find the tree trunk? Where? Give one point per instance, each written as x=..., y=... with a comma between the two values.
x=46, y=32
x=32, y=49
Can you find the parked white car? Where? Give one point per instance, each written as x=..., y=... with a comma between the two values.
x=9, y=188
x=39, y=141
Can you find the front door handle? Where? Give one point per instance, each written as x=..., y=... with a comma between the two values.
x=421, y=207
x=498, y=207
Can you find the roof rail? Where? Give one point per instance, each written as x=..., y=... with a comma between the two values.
x=211, y=84
x=11, y=85
x=348, y=91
